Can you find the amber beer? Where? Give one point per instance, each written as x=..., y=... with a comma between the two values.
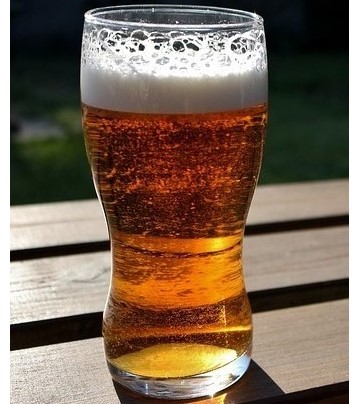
x=175, y=172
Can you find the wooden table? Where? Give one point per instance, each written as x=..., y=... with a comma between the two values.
x=296, y=267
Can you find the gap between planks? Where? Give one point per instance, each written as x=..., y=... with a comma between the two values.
x=79, y=327
x=251, y=230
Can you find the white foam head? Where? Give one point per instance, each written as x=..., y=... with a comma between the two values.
x=173, y=72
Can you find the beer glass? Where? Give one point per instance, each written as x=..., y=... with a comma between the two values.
x=174, y=107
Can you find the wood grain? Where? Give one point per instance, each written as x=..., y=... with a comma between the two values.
x=78, y=284
x=81, y=222
x=297, y=352
x=296, y=271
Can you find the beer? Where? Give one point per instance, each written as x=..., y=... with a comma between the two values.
x=176, y=191
x=175, y=160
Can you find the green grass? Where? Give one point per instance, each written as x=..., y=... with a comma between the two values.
x=54, y=168
x=50, y=170
x=307, y=136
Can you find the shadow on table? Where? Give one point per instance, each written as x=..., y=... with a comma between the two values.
x=254, y=385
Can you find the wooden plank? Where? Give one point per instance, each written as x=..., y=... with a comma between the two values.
x=58, y=287
x=294, y=201
x=296, y=258
x=78, y=284
x=299, y=352
x=314, y=336
x=81, y=222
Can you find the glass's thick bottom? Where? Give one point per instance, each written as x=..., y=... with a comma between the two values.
x=200, y=385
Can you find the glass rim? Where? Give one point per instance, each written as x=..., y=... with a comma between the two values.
x=95, y=16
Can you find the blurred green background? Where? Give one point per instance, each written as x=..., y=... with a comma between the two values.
x=308, y=131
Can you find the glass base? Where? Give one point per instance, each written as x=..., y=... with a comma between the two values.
x=200, y=385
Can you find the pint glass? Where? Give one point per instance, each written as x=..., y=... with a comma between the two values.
x=174, y=107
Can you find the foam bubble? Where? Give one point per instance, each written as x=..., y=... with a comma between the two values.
x=173, y=72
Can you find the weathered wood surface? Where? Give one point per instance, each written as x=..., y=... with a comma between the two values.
x=76, y=284
x=296, y=268
x=301, y=351
x=45, y=226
